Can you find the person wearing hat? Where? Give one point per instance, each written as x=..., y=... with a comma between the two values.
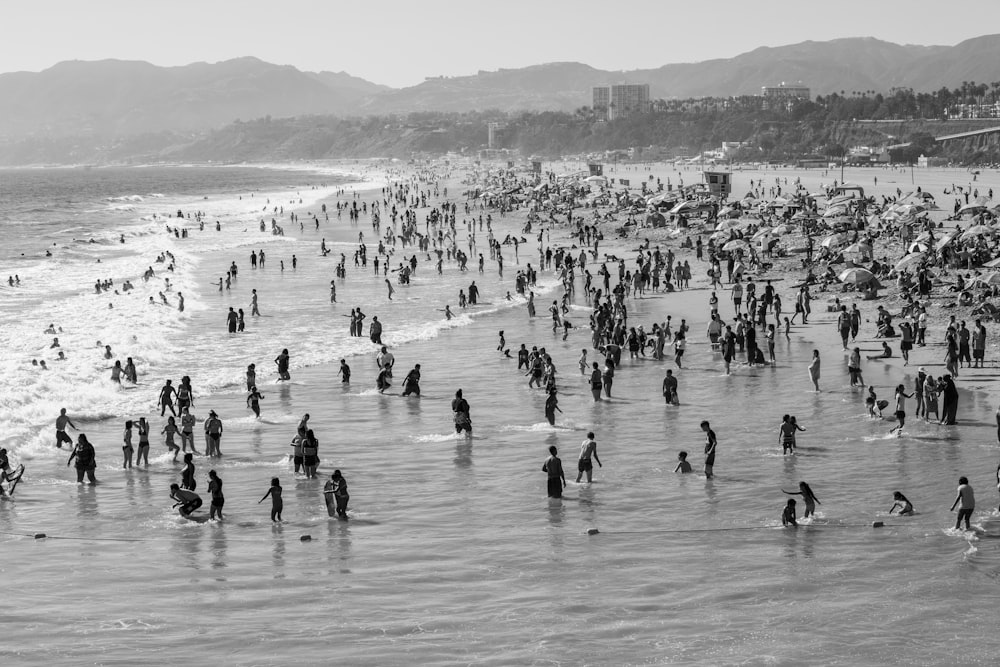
x=918, y=391
x=213, y=434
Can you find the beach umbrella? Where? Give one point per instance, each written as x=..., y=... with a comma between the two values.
x=727, y=224
x=833, y=211
x=780, y=230
x=909, y=261
x=719, y=236
x=917, y=246
x=856, y=248
x=971, y=208
x=946, y=239
x=977, y=230
x=734, y=244
x=992, y=278
x=761, y=233
x=856, y=276
x=833, y=240
x=993, y=263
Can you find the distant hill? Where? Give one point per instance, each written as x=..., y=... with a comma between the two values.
x=856, y=63
x=120, y=98
x=108, y=108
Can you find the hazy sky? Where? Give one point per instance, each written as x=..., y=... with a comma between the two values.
x=399, y=43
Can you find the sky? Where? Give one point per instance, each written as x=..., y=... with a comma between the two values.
x=399, y=43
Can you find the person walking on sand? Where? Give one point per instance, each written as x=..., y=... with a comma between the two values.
x=556, y=478
x=588, y=451
x=966, y=502
x=814, y=370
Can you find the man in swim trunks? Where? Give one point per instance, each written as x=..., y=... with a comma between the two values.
x=62, y=421
x=588, y=451
x=166, y=398
x=188, y=501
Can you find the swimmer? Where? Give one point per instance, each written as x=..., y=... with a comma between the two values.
x=682, y=463
x=900, y=501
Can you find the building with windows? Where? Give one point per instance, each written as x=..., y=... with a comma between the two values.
x=620, y=101
x=783, y=95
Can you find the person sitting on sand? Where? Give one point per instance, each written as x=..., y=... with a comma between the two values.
x=886, y=352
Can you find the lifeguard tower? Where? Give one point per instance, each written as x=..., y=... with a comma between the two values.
x=720, y=183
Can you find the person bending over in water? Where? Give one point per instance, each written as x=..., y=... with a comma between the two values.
x=900, y=501
x=188, y=501
x=788, y=514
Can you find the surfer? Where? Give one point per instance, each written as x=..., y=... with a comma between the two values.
x=188, y=501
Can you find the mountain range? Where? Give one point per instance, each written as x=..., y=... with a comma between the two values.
x=114, y=98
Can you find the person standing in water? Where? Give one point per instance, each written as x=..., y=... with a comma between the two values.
x=86, y=459
x=901, y=397
x=814, y=370
x=463, y=420
x=551, y=405
x=276, y=504
x=556, y=477
x=282, y=361
x=588, y=451
x=218, y=500
x=142, y=454
x=253, y=401
x=710, y=445
x=808, y=496
x=62, y=421
x=340, y=494
x=966, y=502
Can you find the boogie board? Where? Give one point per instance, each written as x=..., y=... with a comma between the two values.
x=331, y=503
x=13, y=482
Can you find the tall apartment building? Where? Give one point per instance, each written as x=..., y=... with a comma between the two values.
x=620, y=101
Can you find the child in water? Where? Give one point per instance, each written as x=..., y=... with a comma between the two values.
x=900, y=501
x=788, y=514
x=276, y=504
x=169, y=431
x=808, y=496
x=682, y=463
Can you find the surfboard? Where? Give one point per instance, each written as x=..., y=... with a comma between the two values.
x=13, y=482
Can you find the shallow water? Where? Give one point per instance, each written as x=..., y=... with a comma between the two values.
x=453, y=553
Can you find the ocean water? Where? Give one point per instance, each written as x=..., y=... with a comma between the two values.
x=452, y=554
